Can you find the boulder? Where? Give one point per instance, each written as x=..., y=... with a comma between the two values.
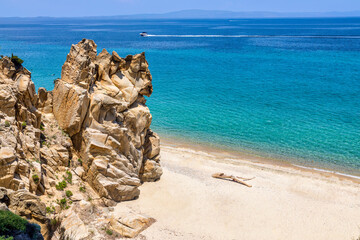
x=129, y=224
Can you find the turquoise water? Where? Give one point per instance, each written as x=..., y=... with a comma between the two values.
x=280, y=88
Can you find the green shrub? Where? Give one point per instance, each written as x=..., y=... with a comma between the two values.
x=50, y=209
x=68, y=177
x=80, y=161
x=11, y=222
x=82, y=189
x=6, y=238
x=61, y=185
x=7, y=123
x=63, y=201
x=68, y=193
x=109, y=232
x=16, y=60
x=23, y=124
x=36, y=178
x=63, y=204
x=42, y=127
x=53, y=222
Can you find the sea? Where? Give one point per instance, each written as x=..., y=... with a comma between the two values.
x=286, y=89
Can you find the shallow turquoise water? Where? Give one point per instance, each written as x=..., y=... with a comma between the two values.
x=273, y=95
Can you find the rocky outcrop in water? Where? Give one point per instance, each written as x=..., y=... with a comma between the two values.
x=92, y=131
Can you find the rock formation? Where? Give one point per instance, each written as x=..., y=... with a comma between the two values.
x=94, y=125
x=99, y=101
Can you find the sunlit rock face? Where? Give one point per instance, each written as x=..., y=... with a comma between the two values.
x=99, y=101
x=94, y=126
x=97, y=113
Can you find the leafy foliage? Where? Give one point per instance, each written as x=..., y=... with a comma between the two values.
x=63, y=203
x=68, y=177
x=50, y=209
x=53, y=222
x=16, y=60
x=36, y=178
x=11, y=222
x=6, y=238
x=82, y=189
x=109, y=232
x=61, y=185
x=68, y=193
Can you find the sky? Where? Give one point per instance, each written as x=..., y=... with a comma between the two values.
x=78, y=8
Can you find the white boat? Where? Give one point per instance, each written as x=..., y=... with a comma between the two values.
x=144, y=34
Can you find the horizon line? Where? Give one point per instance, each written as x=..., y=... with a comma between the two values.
x=136, y=15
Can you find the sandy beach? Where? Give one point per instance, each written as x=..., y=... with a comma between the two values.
x=284, y=202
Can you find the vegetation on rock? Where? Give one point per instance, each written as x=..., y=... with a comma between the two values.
x=50, y=209
x=109, y=232
x=68, y=177
x=62, y=203
x=36, y=178
x=61, y=185
x=16, y=60
x=11, y=222
x=68, y=193
x=7, y=123
x=13, y=225
x=6, y=238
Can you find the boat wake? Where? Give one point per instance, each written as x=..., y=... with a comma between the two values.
x=255, y=36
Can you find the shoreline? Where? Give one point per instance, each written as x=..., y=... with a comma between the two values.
x=238, y=157
x=285, y=201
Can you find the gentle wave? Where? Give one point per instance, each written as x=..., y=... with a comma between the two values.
x=328, y=171
x=254, y=36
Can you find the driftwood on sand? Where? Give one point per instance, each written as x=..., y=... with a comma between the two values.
x=237, y=179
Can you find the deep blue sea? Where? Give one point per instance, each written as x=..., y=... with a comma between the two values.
x=280, y=88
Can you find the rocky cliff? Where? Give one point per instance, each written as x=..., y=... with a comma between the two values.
x=91, y=134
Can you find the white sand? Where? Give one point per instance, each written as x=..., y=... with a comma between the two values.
x=284, y=203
